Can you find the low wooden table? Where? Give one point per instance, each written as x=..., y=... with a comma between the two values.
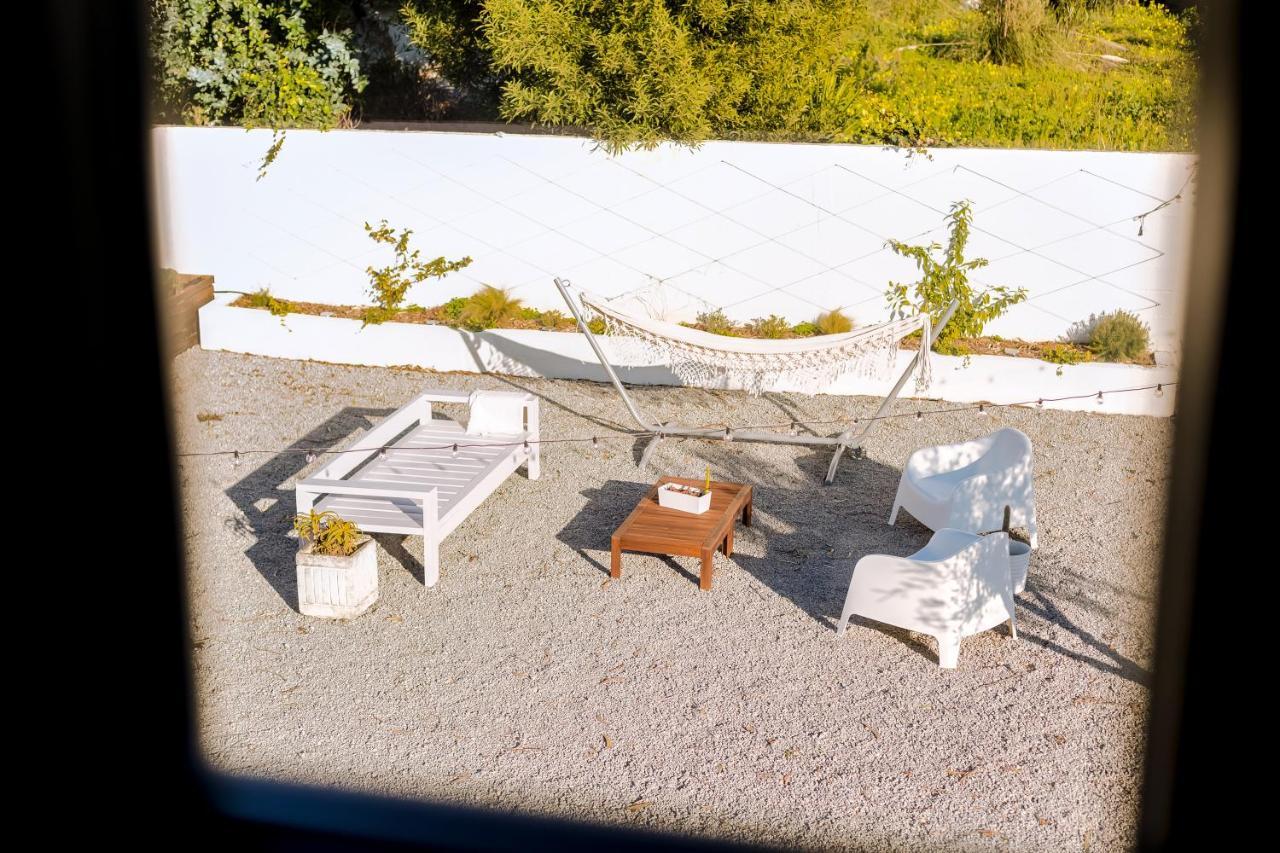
x=655, y=529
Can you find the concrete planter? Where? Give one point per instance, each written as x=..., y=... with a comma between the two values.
x=567, y=355
x=337, y=587
x=1019, y=559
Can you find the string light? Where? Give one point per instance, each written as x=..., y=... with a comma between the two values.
x=795, y=428
x=729, y=432
x=455, y=451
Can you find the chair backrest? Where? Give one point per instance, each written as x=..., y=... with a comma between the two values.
x=1007, y=447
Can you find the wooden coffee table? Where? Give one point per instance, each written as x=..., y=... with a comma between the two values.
x=654, y=529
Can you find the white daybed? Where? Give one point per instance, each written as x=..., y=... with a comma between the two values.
x=388, y=482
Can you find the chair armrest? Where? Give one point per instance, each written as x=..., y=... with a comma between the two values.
x=366, y=488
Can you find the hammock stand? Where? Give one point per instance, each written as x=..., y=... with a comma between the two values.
x=845, y=440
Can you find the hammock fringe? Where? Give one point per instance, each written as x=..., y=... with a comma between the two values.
x=809, y=368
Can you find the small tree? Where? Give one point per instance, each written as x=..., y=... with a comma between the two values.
x=947, y=278
x=388, y=285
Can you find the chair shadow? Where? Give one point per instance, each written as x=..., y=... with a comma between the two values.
x=265, y=498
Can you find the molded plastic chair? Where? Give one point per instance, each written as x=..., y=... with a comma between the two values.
x=966, y=486
x=954, y=587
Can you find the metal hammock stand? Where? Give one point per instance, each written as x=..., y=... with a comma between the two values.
x=849, y=439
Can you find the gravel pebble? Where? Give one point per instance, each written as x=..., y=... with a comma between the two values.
x=527, y=679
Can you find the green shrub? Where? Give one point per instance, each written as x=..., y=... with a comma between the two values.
x=452, y=310
x=1062, y=354
x=833, y=322
x=716, y=322
x=260, y=63
x=1119, y=336
x=552, y=319
x=488, y=308
x=805, y=329
x=772, y=326
x=388, y=285
x=947, y=278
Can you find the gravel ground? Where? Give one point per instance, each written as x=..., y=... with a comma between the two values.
x=527, y=679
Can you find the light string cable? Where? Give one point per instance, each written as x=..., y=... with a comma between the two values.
x=714, y=433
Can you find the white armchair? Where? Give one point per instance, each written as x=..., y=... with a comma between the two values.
x=954, y=587
x=966, y=486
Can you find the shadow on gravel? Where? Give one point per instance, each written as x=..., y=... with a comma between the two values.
x=266, y=502
x=607, y=507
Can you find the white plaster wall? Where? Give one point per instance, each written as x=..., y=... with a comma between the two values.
x=754, y=228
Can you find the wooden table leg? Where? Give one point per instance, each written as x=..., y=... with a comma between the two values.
x=728, y=542
x=615, y=562
x=746, y=513
x=708, y=558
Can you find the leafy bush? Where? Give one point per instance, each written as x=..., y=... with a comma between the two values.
x=716, y=322
x=772, y=326
x=1119, y=336
x=259, y=63
x=489, y=307
x=833, y=322
x=947, y=278
x=899, y=72
x=452, y=310
x=552, y=319
x=388, y=285
x=805, y=329
x=328, y=533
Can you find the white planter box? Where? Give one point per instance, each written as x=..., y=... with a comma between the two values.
x=337, y=587
x=567, y=355
x=670, y=497
x=1019, y=559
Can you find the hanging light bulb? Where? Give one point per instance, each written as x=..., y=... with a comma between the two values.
x=235, y=457
x=382, y=453
x=795, y=428
x=1160, y=390
x=919, y=416
x=595, y=441
x=454, y=452
x=1099, y=398
x=1040, y=404
x=728, y=433
x=526, y=444
x=311, y=457
x=982, y=410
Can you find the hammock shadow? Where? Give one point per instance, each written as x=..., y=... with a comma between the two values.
x=494, y=353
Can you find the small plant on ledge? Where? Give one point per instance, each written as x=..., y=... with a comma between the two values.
x=328, y=533
x=388, y=285
x=947, y=278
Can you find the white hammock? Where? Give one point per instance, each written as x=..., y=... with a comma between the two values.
x=756, y=364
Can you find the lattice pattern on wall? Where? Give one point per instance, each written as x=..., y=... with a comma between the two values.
x=753, y=229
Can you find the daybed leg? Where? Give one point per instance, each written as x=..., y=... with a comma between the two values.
x=430, y=540
x=533, y=467
x=893, y=513
x=305, y=500
x=430, y=562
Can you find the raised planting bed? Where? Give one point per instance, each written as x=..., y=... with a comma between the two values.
x=567, y=355
x=181, y=296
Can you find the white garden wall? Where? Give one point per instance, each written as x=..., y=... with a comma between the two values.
x=754, y=228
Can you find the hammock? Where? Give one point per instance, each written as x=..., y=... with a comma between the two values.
x=757, y=364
